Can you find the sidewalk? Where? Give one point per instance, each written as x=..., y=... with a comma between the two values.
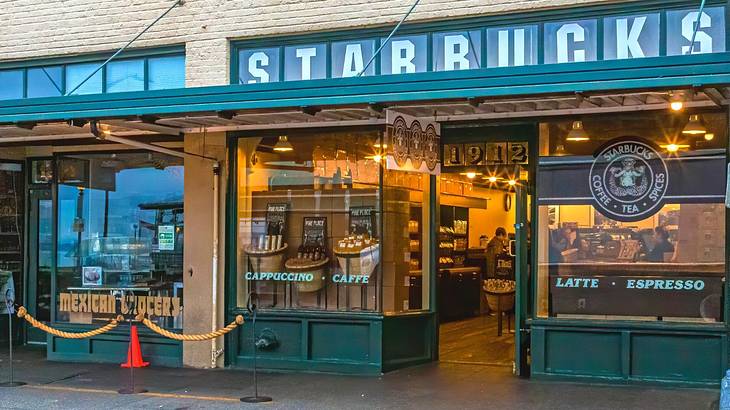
x=54, y=385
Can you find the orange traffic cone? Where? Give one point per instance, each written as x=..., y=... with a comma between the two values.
x=134, y=354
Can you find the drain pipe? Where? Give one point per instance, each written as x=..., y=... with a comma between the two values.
x=105, y=135
x=215, y=352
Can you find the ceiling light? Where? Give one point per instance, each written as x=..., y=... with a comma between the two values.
x=492, y=179
x=694, y=126
x=577, y=132
x=376, y=157
x=709, y=136
x=676, y=102
x=672, y=148
x=283, y=145
x=470, y=174
x=512, y=182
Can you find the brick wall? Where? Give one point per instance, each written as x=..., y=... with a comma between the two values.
x=40, y=28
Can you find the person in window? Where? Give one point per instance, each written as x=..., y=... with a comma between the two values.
x=561, y=240
x=494, y=248
x=662, y=245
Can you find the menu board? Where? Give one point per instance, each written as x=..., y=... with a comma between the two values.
x=276, y=218
x=680, y=296
x=362, y=220
x=314, y=232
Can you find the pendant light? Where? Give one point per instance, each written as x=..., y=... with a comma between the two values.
x=577, y=132
x=283, y=145
x=694, y=126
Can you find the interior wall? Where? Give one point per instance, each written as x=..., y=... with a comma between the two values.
x=486, y=221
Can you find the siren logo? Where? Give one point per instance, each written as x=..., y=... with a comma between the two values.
x=628, y=180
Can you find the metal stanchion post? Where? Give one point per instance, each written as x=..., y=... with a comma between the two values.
x=252, y=307
x=10, y=306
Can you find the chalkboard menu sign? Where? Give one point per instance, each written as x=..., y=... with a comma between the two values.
x=362, y=220
x=314, y=231
x=276, y=218
x=665, y=296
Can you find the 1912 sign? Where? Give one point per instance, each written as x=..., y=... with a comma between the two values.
x=490, y=153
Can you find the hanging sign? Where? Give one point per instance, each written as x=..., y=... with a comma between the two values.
x=166, y=237
x=7, y=290
x=490, y=153
x=628, y=180
x=615, y=37
x=413, y=144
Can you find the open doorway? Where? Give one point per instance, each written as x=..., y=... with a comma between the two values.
x=477, y=254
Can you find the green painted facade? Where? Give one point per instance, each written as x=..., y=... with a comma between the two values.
x=613, y=351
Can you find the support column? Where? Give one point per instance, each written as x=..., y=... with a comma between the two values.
x=198, y=256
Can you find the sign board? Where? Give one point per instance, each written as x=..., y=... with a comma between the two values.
x=91, y=276
x=628, y=179
x=276, y=218
x=314, y=231
x=362, y=220
x=166, y=237
x=413, y=144
x=490, y=153
x=616, y=37
x=105, y=303
x=7, y=290
x=680, y=296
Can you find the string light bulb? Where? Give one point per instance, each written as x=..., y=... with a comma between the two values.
x=676, y=102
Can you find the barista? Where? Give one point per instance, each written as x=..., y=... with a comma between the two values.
x=495, y=247
x=662, y=245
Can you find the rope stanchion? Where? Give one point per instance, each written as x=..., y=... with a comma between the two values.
x=23, y=314
x=193, y=338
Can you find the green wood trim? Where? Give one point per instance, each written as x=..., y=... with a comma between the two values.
x=538, y=375
x=613, y=325
x=230, y=254
x=657, y=72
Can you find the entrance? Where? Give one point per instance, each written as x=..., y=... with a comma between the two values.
x=484, y=249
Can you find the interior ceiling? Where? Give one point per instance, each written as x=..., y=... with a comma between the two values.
x=172, y=127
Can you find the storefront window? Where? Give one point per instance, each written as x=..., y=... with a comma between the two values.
x=632, y=218
x=120, y=237
x=313, y=218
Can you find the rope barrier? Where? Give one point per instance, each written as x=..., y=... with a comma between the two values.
x=23, y=314
x=193, y=338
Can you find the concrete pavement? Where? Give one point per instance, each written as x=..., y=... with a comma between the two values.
x=438, y=386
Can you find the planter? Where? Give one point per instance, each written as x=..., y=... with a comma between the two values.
x=318, y=269
x=266, y=261
x=361, y=262
x=500, y=294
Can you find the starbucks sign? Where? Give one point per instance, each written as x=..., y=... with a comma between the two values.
x=628, y=180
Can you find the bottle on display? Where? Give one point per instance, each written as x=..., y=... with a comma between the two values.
x=317, y=253
x=300, y=252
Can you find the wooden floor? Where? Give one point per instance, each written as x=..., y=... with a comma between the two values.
x=475, y=340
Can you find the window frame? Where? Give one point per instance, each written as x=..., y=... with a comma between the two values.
x=97, y=58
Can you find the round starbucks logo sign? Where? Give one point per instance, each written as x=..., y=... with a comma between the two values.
x=628, y=180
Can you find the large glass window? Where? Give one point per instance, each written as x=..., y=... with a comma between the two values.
x=11, y=84
x=120, y=237
x=632, y=218
x=45, y=82
x=312, y=219
x=123, y=74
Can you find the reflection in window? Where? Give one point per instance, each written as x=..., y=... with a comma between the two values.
x=45, y=82
x=125, y=75
x=76, y=73
x=120, y=236
x=667, y=266
x=11, y=84
x=166, y=72
x=312, y=217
